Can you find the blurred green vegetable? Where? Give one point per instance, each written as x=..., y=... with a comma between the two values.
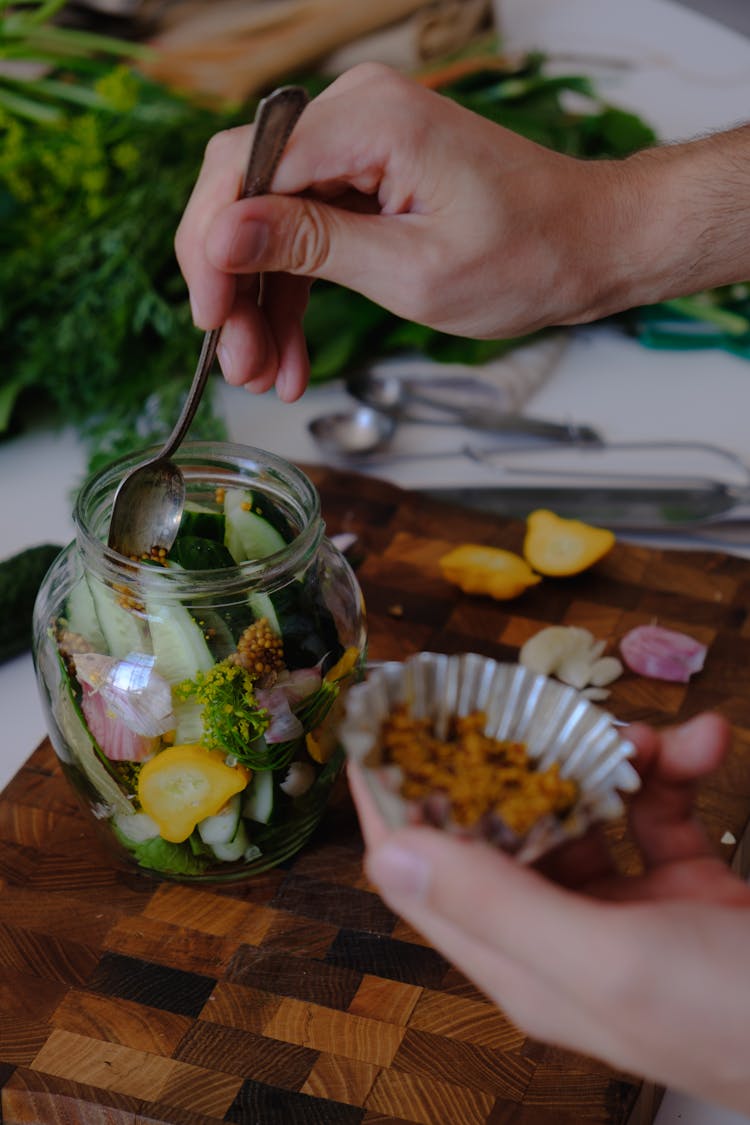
x=96, y=166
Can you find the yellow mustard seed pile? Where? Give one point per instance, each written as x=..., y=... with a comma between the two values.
x=478, y=775
x=259, y=650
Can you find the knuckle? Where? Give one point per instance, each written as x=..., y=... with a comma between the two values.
x=371, y=71
x=310, y=241
x=222, y=145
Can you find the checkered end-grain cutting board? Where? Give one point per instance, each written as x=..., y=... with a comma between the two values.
x=299, y=997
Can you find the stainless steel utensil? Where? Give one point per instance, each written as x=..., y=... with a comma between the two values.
x=662, y=505
x=353, y=433
x=407, y=400
x=149, y=502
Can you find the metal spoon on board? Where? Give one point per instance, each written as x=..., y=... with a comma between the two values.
x=149, y=501
x=364, y=434
x=412, y=400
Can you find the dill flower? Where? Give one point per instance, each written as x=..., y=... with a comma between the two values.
x=232, y=716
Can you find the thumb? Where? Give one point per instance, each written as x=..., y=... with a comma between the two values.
x=315, y=239
x=491, y=898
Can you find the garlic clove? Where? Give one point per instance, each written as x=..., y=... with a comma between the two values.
x=574, y=670
x=543, y=652
x=596, y=694
x=605, y=671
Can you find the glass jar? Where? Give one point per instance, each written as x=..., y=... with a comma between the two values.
x=191, y=697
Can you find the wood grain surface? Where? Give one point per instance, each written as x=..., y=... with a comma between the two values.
x=298, y=997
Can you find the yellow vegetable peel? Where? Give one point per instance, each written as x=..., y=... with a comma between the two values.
x=488, y=570
x=184, y=784
x=558, y=547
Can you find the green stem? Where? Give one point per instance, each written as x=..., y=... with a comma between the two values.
x=45, y=11
x=732, y=323
x=28, y=107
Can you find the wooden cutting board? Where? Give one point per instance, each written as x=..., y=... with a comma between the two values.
x=299, y=997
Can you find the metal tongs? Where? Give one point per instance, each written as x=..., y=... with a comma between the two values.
x=624, y=501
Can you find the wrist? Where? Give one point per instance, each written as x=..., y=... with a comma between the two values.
x=671, y=221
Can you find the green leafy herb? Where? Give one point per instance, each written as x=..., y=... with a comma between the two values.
x=232, y=718
x=94, y=314
x=96, y=166
x=157, y=854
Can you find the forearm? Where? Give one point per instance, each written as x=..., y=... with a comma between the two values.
x=671, y=221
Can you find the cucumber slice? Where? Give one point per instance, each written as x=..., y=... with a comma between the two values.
x=248, y=535
x=262, y=606
x=308, y=631
x=80, y=612
x=204, y=522
x=222, y=828
x=124, y=631
x=196, y=552
x=259, y=797
x=233, y=850
x=179, y=645
x=189, y=724
x=136, y=828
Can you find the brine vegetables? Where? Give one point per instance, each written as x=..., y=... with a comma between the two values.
x=199, y=732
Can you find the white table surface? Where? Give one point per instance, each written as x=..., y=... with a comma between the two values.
x=686, y=74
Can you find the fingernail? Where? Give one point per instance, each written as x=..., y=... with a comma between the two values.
x=248, y=244
x=399, y=872
x=194, y=310
x=225, y=363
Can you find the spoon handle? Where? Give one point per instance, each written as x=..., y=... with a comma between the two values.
x=276, y=117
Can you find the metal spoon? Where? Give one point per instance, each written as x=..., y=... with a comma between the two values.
x=149, y=502
x=353, y=433
x=407, y=401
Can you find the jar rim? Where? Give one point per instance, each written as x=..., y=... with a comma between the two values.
x=224, y=464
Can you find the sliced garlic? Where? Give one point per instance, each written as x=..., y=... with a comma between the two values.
x=605, y=671
x=543, y=652
x=596, y=694
x=299, y=778
x=574, y=670
x=572, y=654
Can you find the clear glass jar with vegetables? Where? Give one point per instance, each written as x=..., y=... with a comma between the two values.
x=192, y=696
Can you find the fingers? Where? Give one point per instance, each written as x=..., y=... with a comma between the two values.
x=219, y=182
x=260, y=346
x=662, y=813
x=494, y=900
x=310, y=238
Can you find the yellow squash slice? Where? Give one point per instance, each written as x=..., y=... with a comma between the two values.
x=488, y=570
x=558, y=547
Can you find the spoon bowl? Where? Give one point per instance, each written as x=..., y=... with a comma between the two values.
x=353, y=433
x=148, y=505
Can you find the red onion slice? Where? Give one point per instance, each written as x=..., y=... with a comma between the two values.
x=662, y=654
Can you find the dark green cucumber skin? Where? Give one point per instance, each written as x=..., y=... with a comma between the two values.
x=20, y=578
x=307, y=627
x=196, y=552
x=206, y=525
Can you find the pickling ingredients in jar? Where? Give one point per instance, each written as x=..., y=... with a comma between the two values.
x=183, y=785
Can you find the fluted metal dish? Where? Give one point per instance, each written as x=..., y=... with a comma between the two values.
x=554, y=722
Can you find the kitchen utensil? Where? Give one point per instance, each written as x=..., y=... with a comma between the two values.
x=627, y=501
x=411, y=401
x=353, y=433
x=660, y=505
x=148, y=505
